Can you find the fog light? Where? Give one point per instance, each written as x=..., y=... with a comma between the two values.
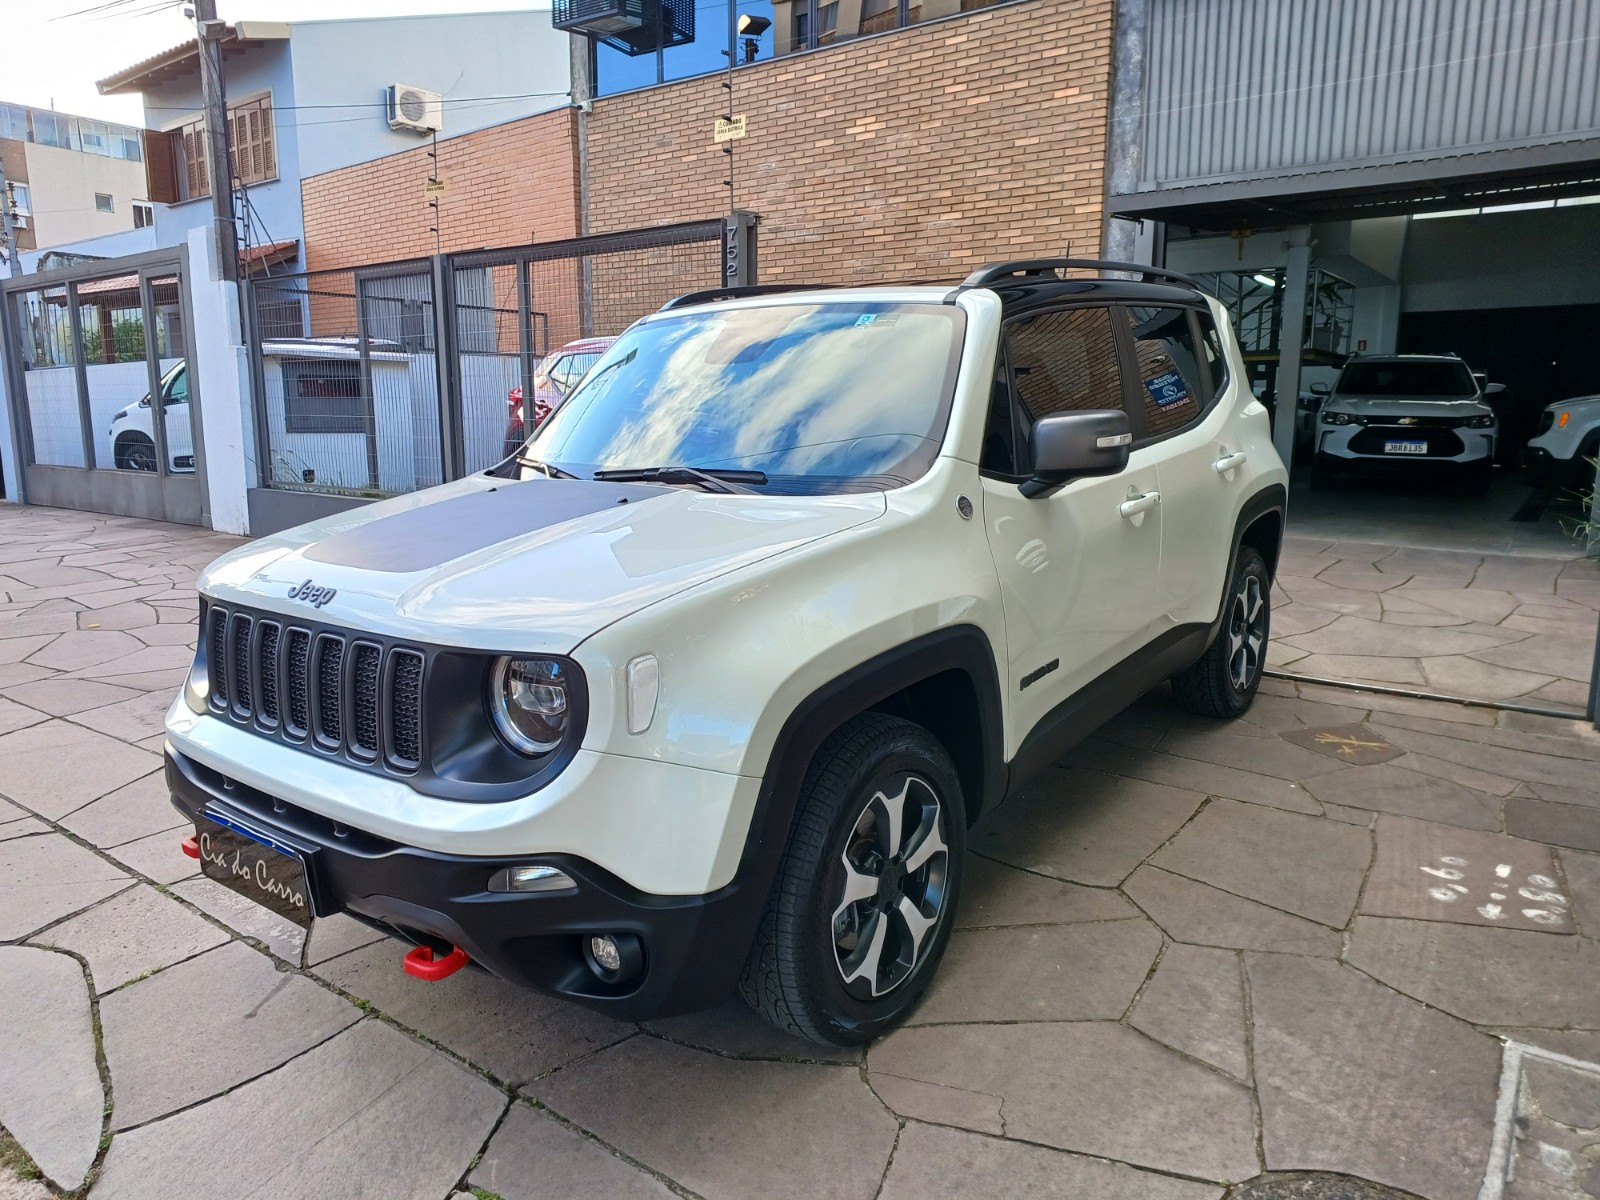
x=530, y=879
x=614, y=957
x=605, y=952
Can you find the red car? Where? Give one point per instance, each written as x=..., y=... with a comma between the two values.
x=552, y=383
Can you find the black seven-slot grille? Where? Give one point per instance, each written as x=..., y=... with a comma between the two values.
x=345, y=693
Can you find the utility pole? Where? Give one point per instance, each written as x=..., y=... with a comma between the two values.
x=10, y=227
x=219, y=166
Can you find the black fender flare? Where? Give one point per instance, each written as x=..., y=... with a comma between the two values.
x=1272, y=498
x=964, y=648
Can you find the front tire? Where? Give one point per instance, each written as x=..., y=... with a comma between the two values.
x=1225, y=680
x=135, y=453
x=866, y=894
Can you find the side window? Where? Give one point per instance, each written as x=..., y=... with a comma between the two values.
x=1170, y=382
x=178, y=387
x=1063, y=361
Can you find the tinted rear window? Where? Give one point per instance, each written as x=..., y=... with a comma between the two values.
x=1407, y=379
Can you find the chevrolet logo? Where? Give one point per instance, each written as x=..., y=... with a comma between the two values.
x=1409, y=421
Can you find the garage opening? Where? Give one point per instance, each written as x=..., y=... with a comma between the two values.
x=1433, y=381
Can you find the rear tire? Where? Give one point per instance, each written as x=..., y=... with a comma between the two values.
x=866, y=894
x=1225, y=680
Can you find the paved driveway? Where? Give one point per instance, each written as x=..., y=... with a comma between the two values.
x=1275, y=958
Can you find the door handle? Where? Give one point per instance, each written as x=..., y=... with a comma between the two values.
x=1229, y=461
x=1139, y=504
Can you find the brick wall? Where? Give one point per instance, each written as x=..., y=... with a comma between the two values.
x=920, y=153
x=505, y=186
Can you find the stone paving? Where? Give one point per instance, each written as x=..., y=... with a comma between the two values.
x=1277, y=958
x=1451, y=622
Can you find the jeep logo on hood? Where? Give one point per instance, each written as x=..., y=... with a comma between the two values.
x=312, y=593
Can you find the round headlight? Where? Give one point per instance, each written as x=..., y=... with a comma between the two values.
x=529, y=700
x=1337, y=418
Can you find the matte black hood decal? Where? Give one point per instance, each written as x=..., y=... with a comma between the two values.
x=422, y=538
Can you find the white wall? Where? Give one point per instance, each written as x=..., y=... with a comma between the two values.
x=62, y=186
x=340, y=459
x=53, y=407
x=464, y=56
x=1520, y=259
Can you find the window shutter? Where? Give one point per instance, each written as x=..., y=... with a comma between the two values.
x=194, y=161
x=160, y=166
x=269, y=149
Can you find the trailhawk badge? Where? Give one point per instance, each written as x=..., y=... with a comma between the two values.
x=312, y=593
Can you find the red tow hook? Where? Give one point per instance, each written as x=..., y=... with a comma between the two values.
x=191, y=846
x=421, y=963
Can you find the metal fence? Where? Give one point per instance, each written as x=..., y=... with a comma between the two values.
x=378, y=380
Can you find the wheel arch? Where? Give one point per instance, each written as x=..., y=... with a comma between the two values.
x=946, y=681
x=1259, y=525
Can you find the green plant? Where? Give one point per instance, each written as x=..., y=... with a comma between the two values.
x=127, y=337
x=15, y=1159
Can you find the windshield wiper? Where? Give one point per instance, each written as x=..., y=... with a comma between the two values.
x=712, y=479
x=544, y=468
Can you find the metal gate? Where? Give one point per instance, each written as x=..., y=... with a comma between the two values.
x=378, y=380
x=105, y=405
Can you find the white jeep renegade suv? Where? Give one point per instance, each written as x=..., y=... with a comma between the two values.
x=704, y=687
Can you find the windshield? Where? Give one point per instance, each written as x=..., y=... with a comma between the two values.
x=1444, y=379
x=818, y=396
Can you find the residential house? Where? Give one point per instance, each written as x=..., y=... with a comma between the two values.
x=308, y=98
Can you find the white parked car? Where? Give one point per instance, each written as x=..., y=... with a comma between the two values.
x=133, y=444
x=1563, y=451
x=1406, y=414
x=705, y=687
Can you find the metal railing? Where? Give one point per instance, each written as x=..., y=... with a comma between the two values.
x=377, y=380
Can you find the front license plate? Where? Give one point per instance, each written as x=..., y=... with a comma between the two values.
x=258, y=868
x=1405, y=447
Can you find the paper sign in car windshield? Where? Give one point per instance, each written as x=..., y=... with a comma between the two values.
x=1168, y=389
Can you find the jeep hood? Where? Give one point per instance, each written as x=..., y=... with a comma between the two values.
x=1575, y=402
x=535, y=566
x=1407, y=406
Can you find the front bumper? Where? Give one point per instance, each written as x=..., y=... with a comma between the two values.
x=1362, y=445
x=1547, y=471
x=694, y=946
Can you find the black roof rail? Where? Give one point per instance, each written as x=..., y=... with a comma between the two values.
x=997, y=272
x=736, y=293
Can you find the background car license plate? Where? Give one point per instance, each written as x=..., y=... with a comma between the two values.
x=1405, y=447
x=274, y=878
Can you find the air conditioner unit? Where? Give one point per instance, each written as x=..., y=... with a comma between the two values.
x=632, y=26
x=415, y=108
x=19, y=220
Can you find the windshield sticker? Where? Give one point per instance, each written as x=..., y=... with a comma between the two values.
x=883, y=319
x=1168, y=389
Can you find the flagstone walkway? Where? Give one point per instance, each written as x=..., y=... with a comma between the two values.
x=1279, y=957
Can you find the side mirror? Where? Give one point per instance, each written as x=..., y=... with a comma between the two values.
x=1071, y=446
x=1493, y=389
x=1321, y=389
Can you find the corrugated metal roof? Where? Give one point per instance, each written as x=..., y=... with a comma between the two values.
x=1258, y=87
